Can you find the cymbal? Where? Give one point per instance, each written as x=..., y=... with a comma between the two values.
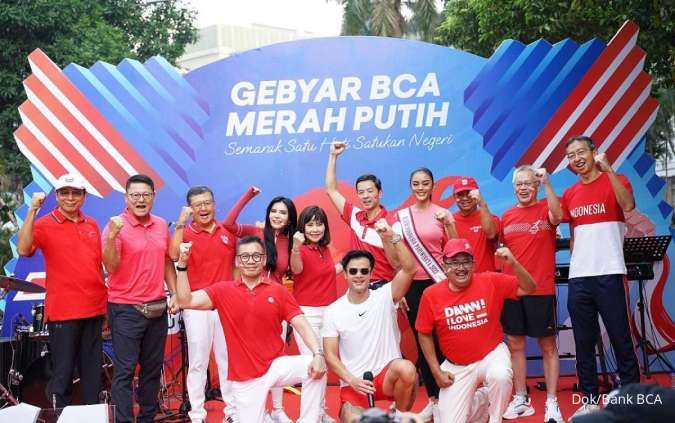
x=14, y=284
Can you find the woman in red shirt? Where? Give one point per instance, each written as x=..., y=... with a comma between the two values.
x=314, y=281
x=280, y=223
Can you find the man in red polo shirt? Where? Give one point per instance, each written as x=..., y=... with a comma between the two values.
x=135, y=253
x=362, y=222
x=464, y=313
x=76, y=295
x=529, y=231
x=475, y=223
x=211, y=261
x=251, y=309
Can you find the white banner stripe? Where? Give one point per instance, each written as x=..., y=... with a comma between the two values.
x=636, y=139
x=72, y=139
x=34, y=160
x=83, y=120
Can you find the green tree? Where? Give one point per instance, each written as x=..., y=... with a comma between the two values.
x=479, y=26
x=80, y=31
x=386, y=18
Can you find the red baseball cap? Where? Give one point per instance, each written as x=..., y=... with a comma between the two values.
x=456, y=246
x=464, y=183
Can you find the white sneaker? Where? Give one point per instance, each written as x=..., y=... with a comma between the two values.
x=552, y=413
x=427, y=413
x=436, y=412
x=585, y=409
x=230, y=415
x=279, y=416
x=480, y=406
x=518, y=407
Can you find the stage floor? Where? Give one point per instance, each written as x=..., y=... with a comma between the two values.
x=565, y=398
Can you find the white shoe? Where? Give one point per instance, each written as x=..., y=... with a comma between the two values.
x=585, y=409
x=427, y=413
x=480, y=406
x=230, y=415
x=279, y=416
x=518, y=407
x=552, y=412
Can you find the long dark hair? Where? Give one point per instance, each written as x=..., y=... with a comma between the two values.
x=289, y=230
x=315, y=213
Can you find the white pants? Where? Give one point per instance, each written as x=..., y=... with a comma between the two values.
x=250, y=396
x=203, y=332
x=494, y=370
x=314, y=316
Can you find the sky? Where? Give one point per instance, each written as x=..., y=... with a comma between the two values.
x=319, y=17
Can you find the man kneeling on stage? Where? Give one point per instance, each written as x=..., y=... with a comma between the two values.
x=465, y=312
x=361, y=325
x=251, y=310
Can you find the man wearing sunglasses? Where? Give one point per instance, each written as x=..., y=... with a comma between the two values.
x=76, y=296
x=135, y=253
x=360, y=332
x=465, y=314
x=251, y=310
x=211, y=261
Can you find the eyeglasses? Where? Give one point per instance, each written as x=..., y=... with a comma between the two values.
x=354, y=270
x=246, y=258
x=202, y=205
x=75, y=193
x=457, y=264
x=135, y=196
x=575, y=154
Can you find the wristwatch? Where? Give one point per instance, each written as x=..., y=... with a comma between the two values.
x=396, y=238
x=179, y=225
x=181, y=268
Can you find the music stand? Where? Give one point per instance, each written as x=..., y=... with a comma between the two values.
x=643, y=252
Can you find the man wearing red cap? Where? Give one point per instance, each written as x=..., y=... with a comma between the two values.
x=475, y=223
x=465, y=315
x=75, y=301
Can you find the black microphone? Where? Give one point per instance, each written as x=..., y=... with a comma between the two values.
x=371, y=397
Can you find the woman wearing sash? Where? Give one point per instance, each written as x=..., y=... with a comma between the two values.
x=313, y=268
x=426, y=227
x=280, y=224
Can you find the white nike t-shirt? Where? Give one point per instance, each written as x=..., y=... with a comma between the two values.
x=368, y=333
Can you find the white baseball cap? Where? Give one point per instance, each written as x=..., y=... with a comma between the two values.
x=69, y=180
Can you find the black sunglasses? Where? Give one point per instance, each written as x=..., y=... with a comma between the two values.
x=353, y=270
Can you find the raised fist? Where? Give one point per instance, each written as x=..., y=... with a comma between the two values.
x=505, y=255
x=37, y=200
x=542, y=175
x=337, y=148
x=184, y=252
x=298, y=239
x=115, y=226
x=475, y=194
x=255, y=190
x=602, y=162
x=444, y=216
x=185, y=214
x=383, y=228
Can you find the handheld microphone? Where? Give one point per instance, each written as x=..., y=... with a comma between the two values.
x=371, y=397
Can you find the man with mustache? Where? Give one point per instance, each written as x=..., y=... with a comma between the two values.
x=211, y=261
x=76, y=294
x=594, y=207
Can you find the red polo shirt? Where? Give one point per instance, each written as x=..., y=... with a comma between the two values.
x=73, y=261
x=211, y=256
x=315, y=286
x=469, y=228
x=251, y=321
x=467, y=322
x=142, y=250
x=365, y=237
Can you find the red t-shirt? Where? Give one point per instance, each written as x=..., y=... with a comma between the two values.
x=467, y=322
x=73, y=262
x=315, y=286
x=597, y=222
x=211, y=256
x=365, y=237
x=469, y=228
x=251, y=321
x=530, y=236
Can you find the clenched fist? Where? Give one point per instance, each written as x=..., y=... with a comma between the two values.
x=445, y=217
x=602, y=162
x=337, y=148
x=298, y=239
x=37, y=200
x=505, y=255
x=115, y=226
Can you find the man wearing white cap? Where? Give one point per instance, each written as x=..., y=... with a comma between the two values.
x=75, y=301
x=465, y=314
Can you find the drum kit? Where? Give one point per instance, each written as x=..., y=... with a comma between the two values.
x=30, y=359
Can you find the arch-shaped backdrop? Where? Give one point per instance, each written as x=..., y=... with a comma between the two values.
x=265, y=117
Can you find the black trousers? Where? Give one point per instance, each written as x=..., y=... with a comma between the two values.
x=413, y=298
x=605, y=295
x=136, y=340
x=75, y=342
